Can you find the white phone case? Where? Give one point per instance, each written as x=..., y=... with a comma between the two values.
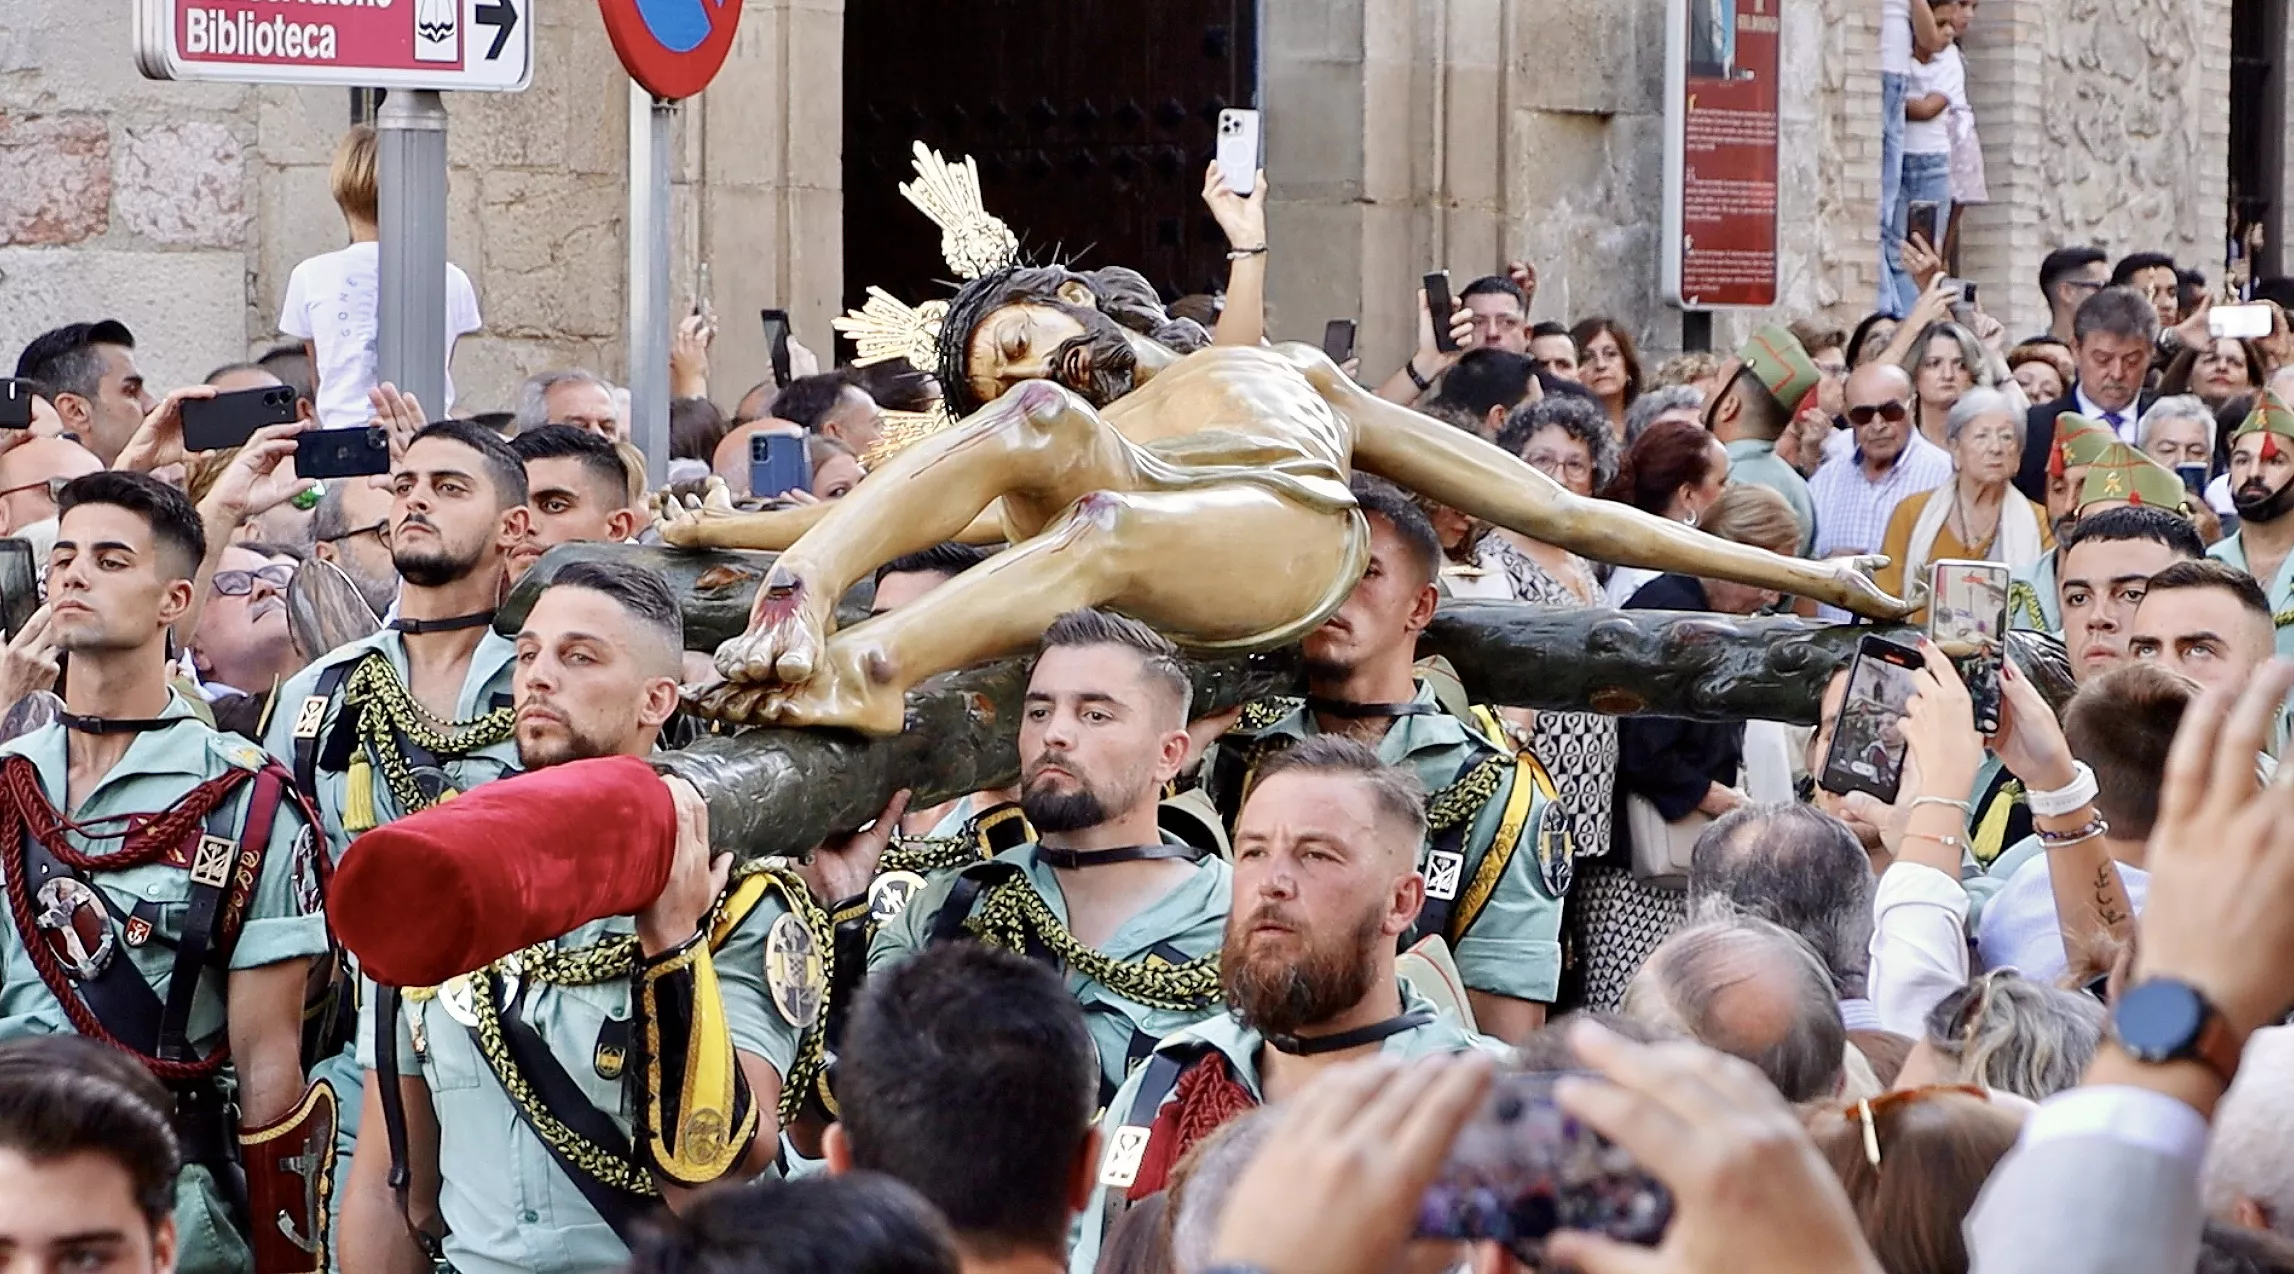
x=1239, y=150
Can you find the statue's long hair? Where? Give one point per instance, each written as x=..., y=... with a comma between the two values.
x=1124, y=297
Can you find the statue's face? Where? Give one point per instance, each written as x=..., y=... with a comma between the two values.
x=1072, y=345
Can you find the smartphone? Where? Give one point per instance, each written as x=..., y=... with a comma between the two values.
x=1967, y=619
x=1867, y=753
x=15, y=404
x=1523, y=1168
x=342, y=453
x=1338, y=339
x=2193, y=479
x=778, y=464
x=229, y=420
x=1439, y=307
x=1922, y=222
x=701, y=289
x=19, y=585
x=1238, y=152
x=2239, y=322
x=777, y=336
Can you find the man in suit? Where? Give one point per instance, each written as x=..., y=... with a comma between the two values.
x=2111, y=339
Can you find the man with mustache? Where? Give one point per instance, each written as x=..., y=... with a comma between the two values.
x=1131, y=917
x=2262, y=485
x=241, y=644
x=687, y=981
x=1496, y=864
x=1326, y=880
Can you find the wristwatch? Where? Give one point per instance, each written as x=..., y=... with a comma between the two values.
x=2163, y=1020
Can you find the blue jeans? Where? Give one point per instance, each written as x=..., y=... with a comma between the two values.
x=1891, y=183
x=1925, y=177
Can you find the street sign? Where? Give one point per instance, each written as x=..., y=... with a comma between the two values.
x=671, y=47
x=1721, y=99
x=396, y=44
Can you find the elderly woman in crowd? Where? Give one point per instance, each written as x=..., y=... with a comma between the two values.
x=1979, y=513
x=2043, y=367
x=1608, y=365
x=1676, y=470
x=1673, y=402
x=2008, y=1032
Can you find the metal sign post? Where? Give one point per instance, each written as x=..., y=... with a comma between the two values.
x=410, y=159
x=650, y=121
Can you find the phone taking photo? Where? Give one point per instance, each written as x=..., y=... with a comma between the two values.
x=1338, y=339
x=15, y=404
x=778, y=464
x=1524, y=1168
x=358, y=452
x=1238, y=152
x=1867, y=752
x=1440, y=307
x=2238, y=322
x=1920, y=220
x=777, y=338
x=1967, y=620
x=229, y=420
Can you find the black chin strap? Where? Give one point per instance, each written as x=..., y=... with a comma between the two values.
x=1364, y=711
x=1076, y=858
x=450, y=624
x=114, y=725
x=1297, y=1046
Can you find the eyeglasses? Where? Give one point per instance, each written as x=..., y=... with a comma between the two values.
x=1868, y=1111
x=375, y=530
x=1550, y=463
x=1893, y=411
x=54, y=487
x=241, y=583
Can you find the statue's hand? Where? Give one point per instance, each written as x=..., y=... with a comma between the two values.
x=679, y=519
x=1861, y=595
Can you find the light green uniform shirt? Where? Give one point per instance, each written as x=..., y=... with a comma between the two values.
x=1239, y=1044
x=283, y=920
x=2279, y=587
x=1513, y=947
x=489, y=674
x=1187, y=922
x=2034, y=601
x=1754, y=460
x=508, y=1205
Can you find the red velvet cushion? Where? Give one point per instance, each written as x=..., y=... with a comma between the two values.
x=503, y=866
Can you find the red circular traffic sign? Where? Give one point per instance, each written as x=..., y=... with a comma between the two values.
x=671, y=47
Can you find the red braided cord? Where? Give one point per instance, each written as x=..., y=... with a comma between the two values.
x=23, y=807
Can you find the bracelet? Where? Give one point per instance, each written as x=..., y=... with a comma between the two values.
x=2086, y=831
x=1240, y=253
x=1945, y=839
x=1410, y=365
x=1962, y=806
x=2068, y=799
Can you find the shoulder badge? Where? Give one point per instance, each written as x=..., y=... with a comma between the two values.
x=794, y=972
x=889, y=895
x=1556, y=849
x=459, y=1000
x=236, y=752
x=1262, y=714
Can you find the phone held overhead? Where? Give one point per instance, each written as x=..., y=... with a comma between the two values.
x=1238, y=153
x=1867, y=752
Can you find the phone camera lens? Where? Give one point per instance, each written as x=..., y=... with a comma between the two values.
x=1508, y=1107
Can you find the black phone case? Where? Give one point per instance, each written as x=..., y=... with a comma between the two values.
x=1837, y=777
x=342, y=453
x=1440, y=306
x=229, y=420
x=15, y=404
x=1338, y=339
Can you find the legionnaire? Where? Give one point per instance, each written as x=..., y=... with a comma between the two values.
x=1496, y=863
x=1774, y=373
x=2262, y=486
x=1326, y=879
x=1132, y=918
x=163, y=886
x=2033, y=599
x=551, y=1098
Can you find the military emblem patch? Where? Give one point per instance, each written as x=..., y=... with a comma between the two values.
x=794, y=972
x=76, y=927
x=888, y=896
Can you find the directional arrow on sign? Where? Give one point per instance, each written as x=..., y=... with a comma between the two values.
x=501, y=16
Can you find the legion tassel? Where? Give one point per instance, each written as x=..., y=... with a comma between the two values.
x=358, y=795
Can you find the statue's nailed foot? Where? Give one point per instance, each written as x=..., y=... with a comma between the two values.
x=788, y=626
x=683, y=522
x=850, y=687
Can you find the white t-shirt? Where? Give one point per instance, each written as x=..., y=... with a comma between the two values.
x=1946, y=74
x=2019, y=927
x=331, y=302
x=1896, y=37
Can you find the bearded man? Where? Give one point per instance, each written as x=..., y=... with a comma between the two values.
x=1204, y=494
x=1325, y=880
x=2262, y=486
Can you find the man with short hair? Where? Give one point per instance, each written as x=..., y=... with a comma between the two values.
x=88, y=1162
x=833, y=407
x=2262, y=486
x=351, y=528
x=1133, y=918
x=2111, y=339
x=574, y=397
x=667, y=1041
x=931, y=1044
x=31, y=473
x=1500, y=311
x=1554, y=350
x=2153, y=275
x=1499, y=859
x=163, y=877
x=2206, y=620
x=904, y=579
x=1798, y=867
x=1856, y=493
x=2249, y=1179
x=90, y=372
x=241, y=644
x=577, y=491
x=1773, y=374
x=1489, y=384
x=2067, y=277
x=2108, y=561
x=2034, y=591
x=1753, y=990
x=2179, y=431
x=1326, y=882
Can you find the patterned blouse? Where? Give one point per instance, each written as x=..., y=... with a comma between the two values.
x=1579, y=749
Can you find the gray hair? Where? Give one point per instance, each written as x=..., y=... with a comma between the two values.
x=1694, y=975
x=1645, y=409
x=2006, y=1031
x=1203, y=1181
x=1983, y=400
x=2178, y=407
x=1576, y=415
x=533, y=407
x=2251, y=1154
x=1794, y=866
x=1970, y=351
x=2116, y=311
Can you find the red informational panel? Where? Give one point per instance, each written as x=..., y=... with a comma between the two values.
x=1720, y=153
x=409, y=44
